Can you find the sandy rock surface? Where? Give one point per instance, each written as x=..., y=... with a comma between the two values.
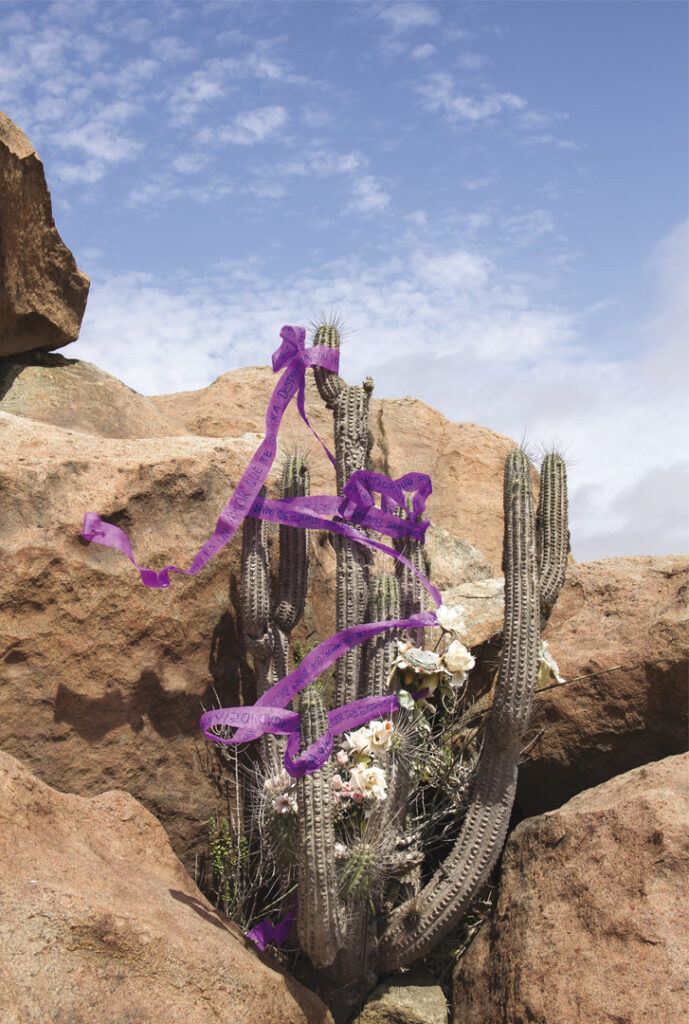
x=631, y=612
x=100, y=923
x=79, y=396
x=42, y=292
x=588, y=925
x=102, y=679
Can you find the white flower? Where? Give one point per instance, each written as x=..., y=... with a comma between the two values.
x=544, y=655
x=370, y=783
x=342, y=757
x=359, y=741
x=451, y=618
x=340, y=850
x=284, y=803
x=459, y=661
x=381, y=736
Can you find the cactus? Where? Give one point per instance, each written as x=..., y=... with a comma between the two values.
x=371, y=908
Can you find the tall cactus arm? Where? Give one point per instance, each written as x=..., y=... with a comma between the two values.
x=380, y=651
x=255, y=590
x=292, y=575
x=552, y=533
x=329, y=384
x=320, y=915
x=349, y=404
x=412, y=590
x=452, y=889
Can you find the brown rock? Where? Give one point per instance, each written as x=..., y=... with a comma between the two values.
x=465, y=461
x=103, y=680
x=42, y=292
x=588, y=925
x=100, y=921
x=628, y=612
x=410, y=998
x=78, y=396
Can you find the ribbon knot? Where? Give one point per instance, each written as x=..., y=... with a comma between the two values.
x=363, y=484
x=292, y=347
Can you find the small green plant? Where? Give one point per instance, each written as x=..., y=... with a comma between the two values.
x=229, y=859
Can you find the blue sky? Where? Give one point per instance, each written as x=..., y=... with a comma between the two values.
x=493, y=195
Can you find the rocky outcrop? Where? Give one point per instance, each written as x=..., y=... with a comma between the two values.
x=102, y=681
x=100, y=921
x=587, y=925
x=465, y=461
x=627, y=612
x=42, y=292
x=78, y=396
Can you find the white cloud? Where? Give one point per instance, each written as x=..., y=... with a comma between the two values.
x=190, y=163
x=423, y=52
x=402, y=17
x=472, y=61
x=368, y=196
x=73, y=174
x=100, y=141
x=248, y=128
x=525, y=228
x=438, y=94
x=170, y=48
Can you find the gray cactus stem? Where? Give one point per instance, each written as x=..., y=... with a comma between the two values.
x=452, y=889
x=552, y=533
x=320, y=915
x=412, y=591
x=380, y=651
x=261, y=637
x=349, y=404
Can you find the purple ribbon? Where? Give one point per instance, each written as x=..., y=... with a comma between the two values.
x=268, y=714
x=293, y=358
x=267, y=933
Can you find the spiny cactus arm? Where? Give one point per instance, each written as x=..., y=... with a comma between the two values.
x=552, y=533
x=255, y=588
x=329, y=383
x=448, y=895
x=412, y=590
x=320, y=915
x=380, y=651
x=291, y=583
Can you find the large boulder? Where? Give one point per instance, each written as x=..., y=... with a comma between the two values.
x=100, y=921
x=42, y=292
x=102, y=681
x=588, y=925
x=466, y=462
x=631, y=615
x=76, y=395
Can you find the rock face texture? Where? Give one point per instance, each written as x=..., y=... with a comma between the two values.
x=78, y=396
x=588, y=925
x=465, y=461
x=42, y=292
x=631, y=612
x=102, y=681
x=100, y=921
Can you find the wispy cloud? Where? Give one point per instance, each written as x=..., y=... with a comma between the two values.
x=405, y=17
x=438, y=93
x=423, y=52
x=248, y=128
x=367, y=196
